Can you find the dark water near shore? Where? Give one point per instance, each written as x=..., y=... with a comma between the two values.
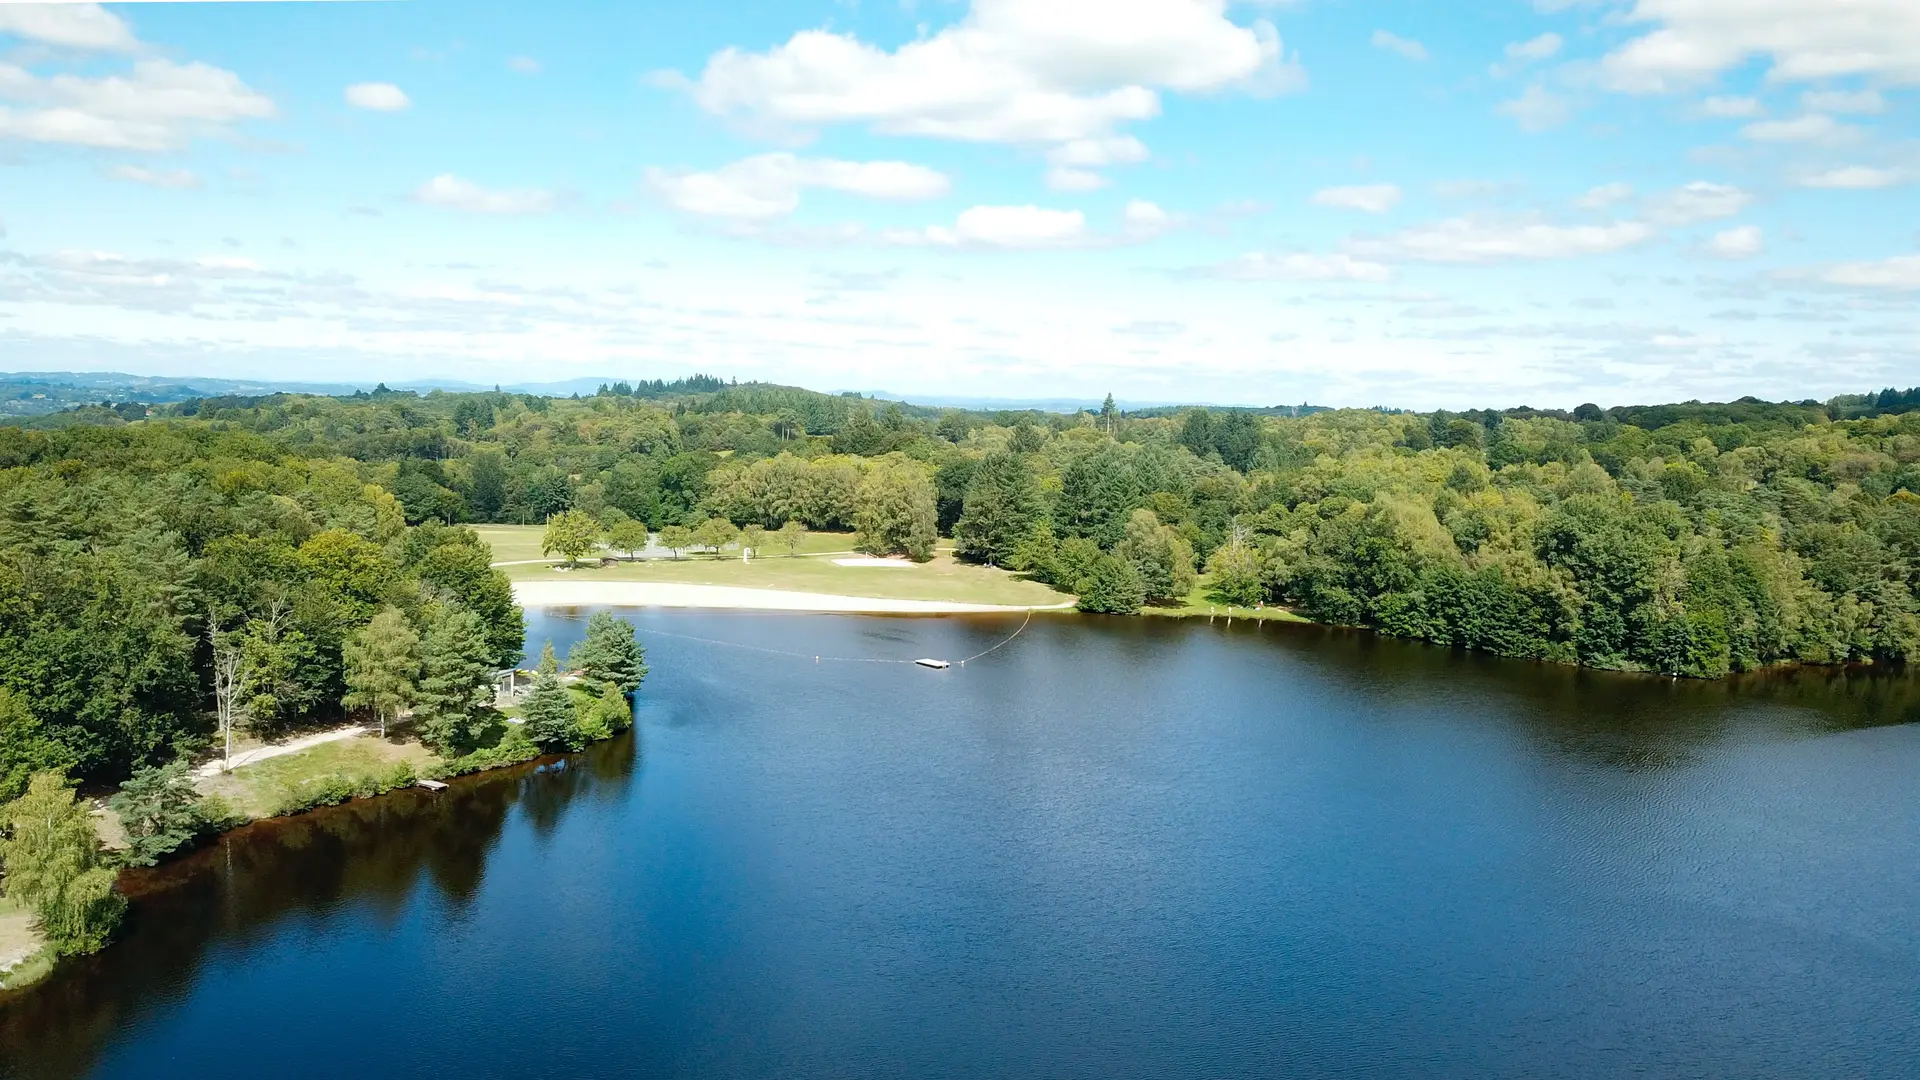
x=1113, y=849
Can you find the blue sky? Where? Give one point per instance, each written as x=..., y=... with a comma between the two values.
x=1403, y=203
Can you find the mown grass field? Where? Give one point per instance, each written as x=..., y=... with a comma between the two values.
x=941, y=579
x=257, y=790
x=813, y=571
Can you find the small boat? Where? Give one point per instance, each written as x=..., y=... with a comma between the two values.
x=940, y=665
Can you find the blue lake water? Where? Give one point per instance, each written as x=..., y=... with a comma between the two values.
x=1125, y=848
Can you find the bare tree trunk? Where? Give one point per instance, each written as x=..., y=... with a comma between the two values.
x=229, y=674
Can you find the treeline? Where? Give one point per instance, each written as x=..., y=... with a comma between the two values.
x=159, y=577
x=1693, y=538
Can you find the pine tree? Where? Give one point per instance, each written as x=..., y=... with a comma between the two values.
x=160, y=810
x=452, y=707
x=54, y=866
x=549, y=663
x=609, y=654
x=552, y=718
x=1112, y=588
x=1002, y=507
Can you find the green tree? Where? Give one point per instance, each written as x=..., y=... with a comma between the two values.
x=609, y=654
x=895, y=513
x=160, y=810
x=607, y=715
x=382, y=666
x=1112, y=587
x=1238, y=573
x=552, y=719
x=753, y=538
x=629, y=536
x=24, y=746
x=793, y=536
x=571, y=533
x=55, y=867
x=1001, y=510
x=1159, y=555
x=714, y=534
x=549, y=663
x=676, y=538
x=453, y=706
x=285, y=675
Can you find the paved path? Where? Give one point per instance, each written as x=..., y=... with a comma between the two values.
x=675, y=595
x=262, y=753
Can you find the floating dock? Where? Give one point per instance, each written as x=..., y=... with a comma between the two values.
x=432, y=785
x=940, y=665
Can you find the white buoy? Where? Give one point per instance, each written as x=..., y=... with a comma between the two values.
x=936, y=664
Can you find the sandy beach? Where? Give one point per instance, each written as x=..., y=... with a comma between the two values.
x=669, y=594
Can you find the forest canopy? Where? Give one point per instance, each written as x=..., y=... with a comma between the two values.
x=1693, y=539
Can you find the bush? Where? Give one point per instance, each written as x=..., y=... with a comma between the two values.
x=513, y=748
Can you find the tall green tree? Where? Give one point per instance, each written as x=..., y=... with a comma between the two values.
x=1112, y=587
x=1238, y=573
x=609, y=654
x=552, y=719
x=1159, y=555
x=160, y=811
x=895, y=512
x=54, y=866
x=383, y=667
x=571, y=534
x=453, y=705
x=24, y=746
x=1001, y=511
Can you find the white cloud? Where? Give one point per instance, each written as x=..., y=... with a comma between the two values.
x=525, y=65
x=1482, y=240
x=455, y=193
x=1806, y=128
x=1062, y=178
x=1046, y=71
x=162, y=178
x=1534, y=49
x=1536, y=109
x=1013, y=227
x=1144, y=219
x=1694, y=40
x=1605, y=195
x=769, y=185
x=1298, y=266
x=378, y=97
x=68, y=25
x=1853, y=176
x=1071, y=162
x=1728, y=107
x=1371, y=198
x=1698, y=201
x=159, y=106
x=1844, y=101
x=1902, y=272
x=1742, y=242
x=1394, y=43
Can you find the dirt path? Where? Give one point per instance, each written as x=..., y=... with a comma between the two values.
x=262, y=753
x=17, y=938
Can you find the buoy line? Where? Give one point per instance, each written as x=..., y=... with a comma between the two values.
x=817, y=658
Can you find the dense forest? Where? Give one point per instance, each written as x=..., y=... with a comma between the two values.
x=1690, y=539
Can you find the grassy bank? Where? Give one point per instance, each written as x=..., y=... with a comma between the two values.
x=1203, y=604
x=266, y=788
x=23, y=955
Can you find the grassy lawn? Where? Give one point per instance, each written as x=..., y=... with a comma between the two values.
x=1202, y=602
x=941, y=579
x=256, y=790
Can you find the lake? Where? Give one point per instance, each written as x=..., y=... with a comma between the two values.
x=1112, y=848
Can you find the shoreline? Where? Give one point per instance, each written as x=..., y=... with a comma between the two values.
x=662, y=594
